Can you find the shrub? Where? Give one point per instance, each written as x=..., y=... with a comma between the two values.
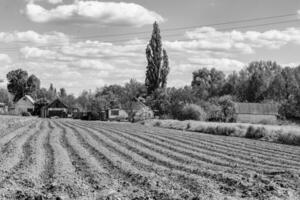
x=157, y=123
x=192, y=112
x=228, y=109
x=256, y=132
x=289, y=138
x=25, y=114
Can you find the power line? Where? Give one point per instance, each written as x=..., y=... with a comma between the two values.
x=192, y=27
x=171, y=35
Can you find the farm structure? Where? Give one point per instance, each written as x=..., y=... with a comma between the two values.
x=25, y=104
x=3, y=108
x=139, y=111
x=256, y=112
x=55, y=109
x=116, y=114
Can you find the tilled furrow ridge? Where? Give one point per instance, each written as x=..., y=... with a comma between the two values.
x=97, y=180
x=236, y=182
x=258, y=157
x=120, y=170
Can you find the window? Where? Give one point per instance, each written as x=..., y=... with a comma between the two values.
x=114, y=112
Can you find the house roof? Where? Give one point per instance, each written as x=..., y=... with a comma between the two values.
x=256, y=108
x=57, y=103
x=139, y=104
x=30, y=98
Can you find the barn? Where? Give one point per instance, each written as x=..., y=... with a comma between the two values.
x=256, y=112
x=55, y=109
x=25, y=104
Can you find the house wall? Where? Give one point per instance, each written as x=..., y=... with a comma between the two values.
x=122, y=114
x=144, y=113
x=249, y=118
x=23, y=105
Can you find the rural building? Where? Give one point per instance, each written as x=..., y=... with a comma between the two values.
x=55, y=109
x=116, y=114
x=256, y=112
x=140, y=111
x=3, y=108
x=25, y=104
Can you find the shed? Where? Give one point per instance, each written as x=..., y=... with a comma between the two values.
x=256, y=112
x=55, y=109
x=25, y=104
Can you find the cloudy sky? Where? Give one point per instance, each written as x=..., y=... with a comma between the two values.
x=87, y=44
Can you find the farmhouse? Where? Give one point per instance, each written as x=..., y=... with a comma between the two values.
x=55, y=109
x=140, y=111
x=25, y=104
x=256, y=112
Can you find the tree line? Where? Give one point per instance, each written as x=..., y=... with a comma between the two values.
x=211, y=93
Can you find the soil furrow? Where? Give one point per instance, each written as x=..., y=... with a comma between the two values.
x=221, y=148
x=223, y=158
x=123, y=171
x=97, y=178
x=221, y=178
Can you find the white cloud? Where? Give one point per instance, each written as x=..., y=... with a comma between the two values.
x=223, y=64
x=49, y=1
x=89, y=64
x=208, y=38
x=5, y=59
x=33, y=37
x=111, y=13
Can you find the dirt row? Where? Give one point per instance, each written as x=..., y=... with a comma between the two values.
x=274, y=179
x=66, y=159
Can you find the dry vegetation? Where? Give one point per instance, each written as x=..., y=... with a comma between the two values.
x=67, y=159
x=271, y=133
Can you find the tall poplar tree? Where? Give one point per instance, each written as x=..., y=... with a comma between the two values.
x=158, y=63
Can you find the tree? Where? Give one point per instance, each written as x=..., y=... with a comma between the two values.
x=33, y=85
x=178, y=99
x=231, y=84
x=17, y=83
x=62, y=93
x=158, y=63
x=4, y=98
x=51, y=94
x=208, y=83
x=159, y=102
x=260, y=76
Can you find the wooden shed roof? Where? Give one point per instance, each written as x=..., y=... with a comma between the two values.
x=256, y=108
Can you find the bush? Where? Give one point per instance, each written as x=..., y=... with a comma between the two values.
x=192, y=112
x=25, y=114
x=228, y=108
x=289, y=138
x=256, y=132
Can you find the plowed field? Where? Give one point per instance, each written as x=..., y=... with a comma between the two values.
x=67, y=159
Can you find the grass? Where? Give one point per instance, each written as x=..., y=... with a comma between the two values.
x=273, y=133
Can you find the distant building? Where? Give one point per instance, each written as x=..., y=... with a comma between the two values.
x=256, y=112
x=55, y=109
x=116, y=114
x=25, y=104
x=140, y=111
x=3, y=108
